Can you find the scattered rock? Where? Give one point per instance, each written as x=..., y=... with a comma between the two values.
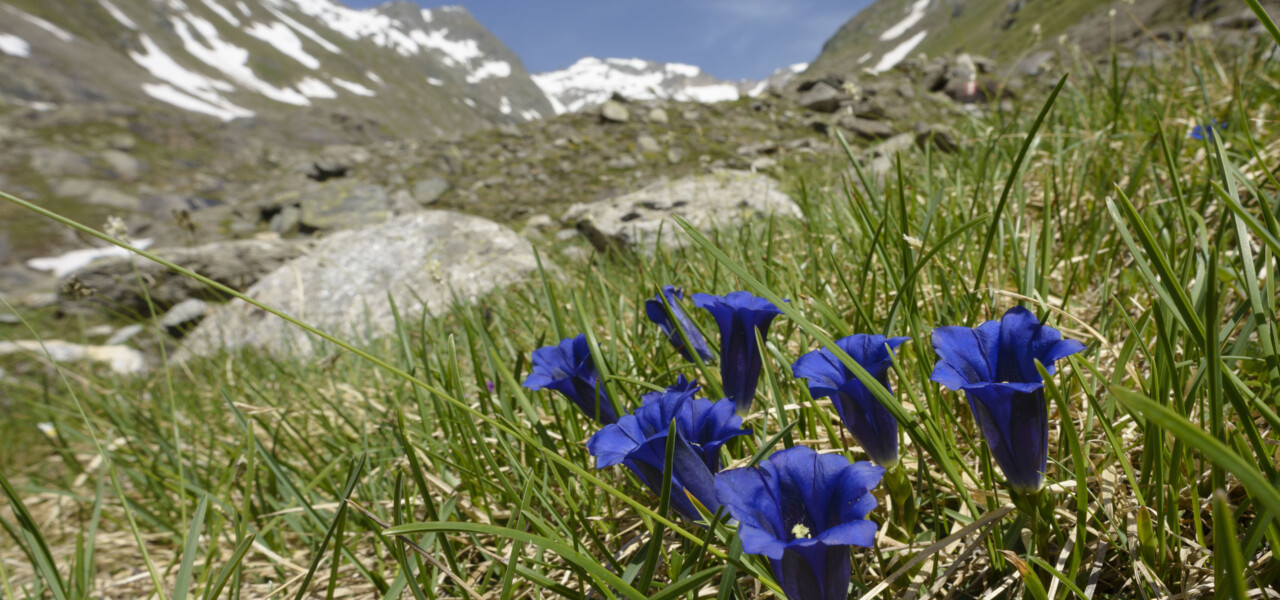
x=99, y=331
x=235, y=264
x=822, y=97
x=337, y=160
x=123, y=166
x=691, y=115
x=866, y=128
x=287, y=221
x=9, y=319
x=539, y=225
x=122, y=142
x=633, y=221
x=763, y=163
x=58, y=162
x=613, y=111
x=39, y=300
x=623, y=162
x=674, y=156
x=1241, y=20
x=942, y=137
x=657, y=115
x=183, y=316
x=122, y=360
x=343, y=205
x=648, y=145
x=72, y=187
x=1034, y=64
x=105, y=196
x=124, y=334
x=424, y=261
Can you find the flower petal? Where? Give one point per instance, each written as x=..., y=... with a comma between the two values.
x=964, y=355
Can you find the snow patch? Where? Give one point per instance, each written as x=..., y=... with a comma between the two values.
x=434, y=81
x=426, y=15
x=13, y=45
x=314, y=88
x=356, y=24
x=184, y=88
x=901, y=27
x=68, y=262
x=375, y=78
x=353, y=87
x=493, y=68
x=168, y=94
x=895, y=56
x=306, y=32
x=229, y=59
x=118, y=14
x=530, y=114
x=455, y=51
x=283, y=39
x=244, y=9
x=222, y=11
x=504, y=106
x=682, y=69
x=469, y=102
x=864, y=58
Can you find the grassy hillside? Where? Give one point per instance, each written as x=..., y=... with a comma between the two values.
x=252, y=477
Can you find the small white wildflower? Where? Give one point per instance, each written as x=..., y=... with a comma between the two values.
x=48, y=429
x=1111, y=13
x=116, y=228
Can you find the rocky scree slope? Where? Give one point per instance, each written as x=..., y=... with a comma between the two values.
x=890, y=31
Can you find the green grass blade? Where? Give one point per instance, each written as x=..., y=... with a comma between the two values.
x=182, y=585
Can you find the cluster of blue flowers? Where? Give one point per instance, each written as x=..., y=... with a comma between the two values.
x=801, y=509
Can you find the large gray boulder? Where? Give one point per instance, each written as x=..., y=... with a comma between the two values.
x=637, y=220
x=235, y=264
x=422, y=260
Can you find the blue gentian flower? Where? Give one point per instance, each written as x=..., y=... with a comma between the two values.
x=567, y=368
x=994, y=364
x=739, y=315
x=675, y=321
x=1200, y=132
x=803, y=510
x=871, y=424
x=639, y=441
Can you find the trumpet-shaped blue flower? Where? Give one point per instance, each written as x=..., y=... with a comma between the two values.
x=1206, y=130
x=871, y=424
x=803, y=510
x=567, y=368
x=995, y=365
x=738, y=316
x=674, y=321
x=639, y=441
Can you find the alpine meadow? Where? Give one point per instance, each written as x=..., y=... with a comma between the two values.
x=963, y=327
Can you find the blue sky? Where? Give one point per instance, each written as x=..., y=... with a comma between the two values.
x=731, y=39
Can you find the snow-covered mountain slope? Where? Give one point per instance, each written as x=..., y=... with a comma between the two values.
x=410, y=70
x=590, y=81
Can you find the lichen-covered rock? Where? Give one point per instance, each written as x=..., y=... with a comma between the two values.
x=342, y=205
x=721, y=199
x=422, y=260
x=235, y=264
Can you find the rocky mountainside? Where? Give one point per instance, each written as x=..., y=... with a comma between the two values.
x=404, y=69
x=590, y=81
x=882, y=35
